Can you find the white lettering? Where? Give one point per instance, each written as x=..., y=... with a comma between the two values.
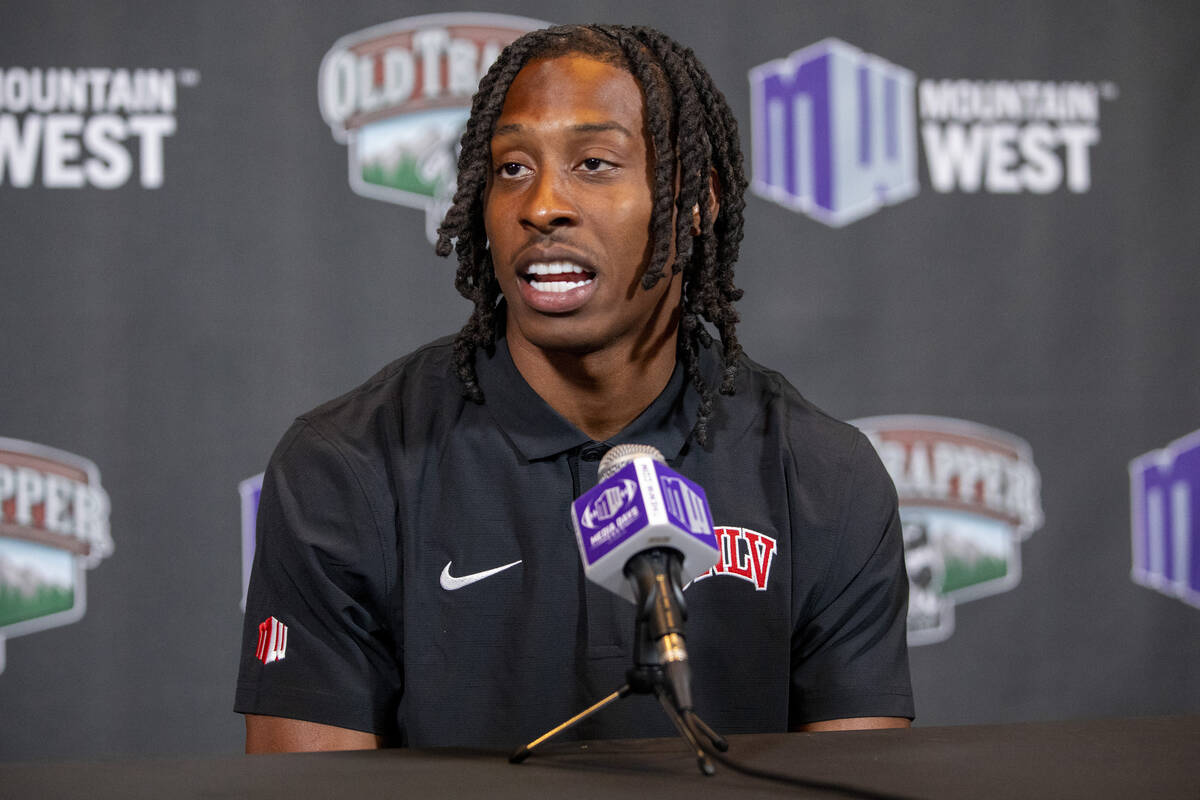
x=955, y=154
x=463, y=71
x=1005, y=158
x=1078, y=138
x=58, y=503
x=110, y=164
x=1042, y=171
x=98, y=80
x=1002, y=160
x=151, y=128
x=8, y=482
x=430, y=44
x=19, y=148
x=16, y=90
x=369, y=97
x=31, y=490
x=990, y=101
x=399, y=75
x=60, y=147
x=337, y=88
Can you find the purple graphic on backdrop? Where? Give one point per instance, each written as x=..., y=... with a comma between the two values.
x=834, y=132
x=250, y=491
x=1165, y=501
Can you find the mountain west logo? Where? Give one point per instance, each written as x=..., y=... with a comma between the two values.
x=53, y=526
x=399, y=94
x=835, y=133
x=93, y=126
x=968, y=496
x=745, y=554
x=1165, y=500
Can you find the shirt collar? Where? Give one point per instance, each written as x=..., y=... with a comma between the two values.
x=538, y=431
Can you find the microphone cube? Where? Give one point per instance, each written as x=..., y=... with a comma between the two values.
x=643, y=505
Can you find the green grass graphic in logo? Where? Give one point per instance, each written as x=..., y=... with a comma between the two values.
x=17, y=606
x=961, y=574
x=403, y=175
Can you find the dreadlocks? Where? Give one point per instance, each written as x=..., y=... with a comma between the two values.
x=691, y=130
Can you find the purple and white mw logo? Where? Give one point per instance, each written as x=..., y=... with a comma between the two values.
x=834, y=132
x=1165, y=500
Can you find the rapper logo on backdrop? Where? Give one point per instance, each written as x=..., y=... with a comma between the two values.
x=53, y=527
x=834, y=133
x=969, y=495
x=398, y=96
x=94, y=126
x=1165, y=506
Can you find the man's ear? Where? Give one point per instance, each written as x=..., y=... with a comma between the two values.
x=714, y=202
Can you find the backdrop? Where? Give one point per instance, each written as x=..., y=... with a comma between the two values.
x=972, y=230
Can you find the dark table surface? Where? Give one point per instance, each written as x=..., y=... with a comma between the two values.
x=1117, y=758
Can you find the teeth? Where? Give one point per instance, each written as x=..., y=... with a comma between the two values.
x=556, y=268
x=558, y=286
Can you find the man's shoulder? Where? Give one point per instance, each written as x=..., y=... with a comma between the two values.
x=421, y=382
x=765, y=391
x=830, y=461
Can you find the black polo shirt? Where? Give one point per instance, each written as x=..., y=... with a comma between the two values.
x=368, y=498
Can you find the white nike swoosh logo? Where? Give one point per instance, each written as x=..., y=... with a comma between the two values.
x=450, y=583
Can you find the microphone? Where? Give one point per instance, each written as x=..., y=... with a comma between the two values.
x=644, y=532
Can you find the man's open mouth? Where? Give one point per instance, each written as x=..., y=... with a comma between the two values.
x=556, y=276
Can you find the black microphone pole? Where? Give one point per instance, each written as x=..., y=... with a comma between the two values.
x=661, y=613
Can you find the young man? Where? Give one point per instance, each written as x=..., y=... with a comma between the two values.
x=414, y=537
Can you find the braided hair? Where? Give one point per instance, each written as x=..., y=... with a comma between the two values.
x=691, y=129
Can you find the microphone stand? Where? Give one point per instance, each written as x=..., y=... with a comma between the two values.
x=647, y=676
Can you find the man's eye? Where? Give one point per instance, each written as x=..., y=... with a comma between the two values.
x=511, y=169
x=596, y=164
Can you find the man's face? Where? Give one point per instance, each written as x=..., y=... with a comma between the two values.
x=567, y=211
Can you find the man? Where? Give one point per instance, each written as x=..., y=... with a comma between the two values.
x=414, y=537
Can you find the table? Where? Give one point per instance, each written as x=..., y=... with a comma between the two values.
x=1118, y=758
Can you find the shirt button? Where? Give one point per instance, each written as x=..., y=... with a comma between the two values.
x=594, y=452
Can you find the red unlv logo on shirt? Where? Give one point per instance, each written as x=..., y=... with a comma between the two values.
x=745, y=554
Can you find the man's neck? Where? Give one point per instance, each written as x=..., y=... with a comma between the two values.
x=600, y=392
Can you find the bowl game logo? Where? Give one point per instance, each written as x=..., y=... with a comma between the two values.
x=835, y=133
x=53, y=526
x=398, y=96
x=1165, y=505
x=969, y=495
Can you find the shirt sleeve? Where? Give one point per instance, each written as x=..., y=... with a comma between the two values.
x=850, y=654
x=317, y=642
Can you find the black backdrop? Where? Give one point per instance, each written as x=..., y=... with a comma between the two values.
x=168, y=333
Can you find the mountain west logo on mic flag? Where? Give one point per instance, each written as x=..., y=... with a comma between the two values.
x=53, y=526
x=835, y=133
x=969, y=495
x=399, y=94
x=1165, y=504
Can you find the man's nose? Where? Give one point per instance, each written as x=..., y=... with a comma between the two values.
x=549, y=204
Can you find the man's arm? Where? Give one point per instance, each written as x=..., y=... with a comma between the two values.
x=856, y=724
x=281, y=735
